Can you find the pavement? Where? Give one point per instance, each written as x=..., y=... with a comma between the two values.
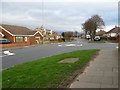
x=101, y=73
x=30, y=53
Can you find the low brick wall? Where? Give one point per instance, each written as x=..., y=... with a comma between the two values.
x=14, y=45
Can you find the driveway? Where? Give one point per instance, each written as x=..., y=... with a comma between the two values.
x=26, y=54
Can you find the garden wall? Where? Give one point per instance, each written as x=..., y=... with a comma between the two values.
x=14, y=45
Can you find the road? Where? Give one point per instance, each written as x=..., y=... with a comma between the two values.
x=26, y=54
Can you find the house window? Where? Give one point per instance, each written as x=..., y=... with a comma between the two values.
x=25, y=39
x=37, y=38
x=19, y=39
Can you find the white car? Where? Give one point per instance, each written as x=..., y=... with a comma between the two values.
x=88, y=37
x=97, y=38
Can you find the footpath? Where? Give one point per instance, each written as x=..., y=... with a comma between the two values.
x=101, y=73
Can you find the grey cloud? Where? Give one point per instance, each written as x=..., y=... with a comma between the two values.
x=58, y=16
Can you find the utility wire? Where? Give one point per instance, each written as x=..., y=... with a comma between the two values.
x=42, y=13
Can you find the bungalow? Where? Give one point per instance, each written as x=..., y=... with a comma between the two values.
x=48, y=31
x=49, y=35
x=19, y=34
x=101, y=33
x=113, y=32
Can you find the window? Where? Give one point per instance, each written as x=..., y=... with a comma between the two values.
x=19, y=39
x=25, y=39
x=37, y=38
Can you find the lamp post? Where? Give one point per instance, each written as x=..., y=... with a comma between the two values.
x=119, y=39
x=42, y=20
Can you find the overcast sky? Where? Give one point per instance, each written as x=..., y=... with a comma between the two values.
x=58, y=15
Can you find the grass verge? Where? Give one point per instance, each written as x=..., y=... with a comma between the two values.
x=45, y=72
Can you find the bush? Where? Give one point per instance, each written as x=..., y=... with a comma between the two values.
x=60, y=40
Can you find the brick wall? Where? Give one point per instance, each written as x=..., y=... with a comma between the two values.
x=13, y=45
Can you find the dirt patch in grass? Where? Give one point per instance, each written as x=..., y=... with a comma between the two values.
x=69, y=60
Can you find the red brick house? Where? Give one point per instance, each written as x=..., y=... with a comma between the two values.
x=19, y=34
x=113, y=32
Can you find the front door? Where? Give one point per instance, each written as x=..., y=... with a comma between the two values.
x=37, y=40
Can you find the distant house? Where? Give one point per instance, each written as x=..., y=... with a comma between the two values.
x=113, y=32
x=44, y=31
x=41, y=30
x=82, y=35
x=49, y=35
x=19, y=34
x=59, y=36
x=101, y=33
x=48, y=31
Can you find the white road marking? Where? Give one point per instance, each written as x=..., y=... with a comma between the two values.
x=11, y=54
x=7, y=53
x=3, y=55
x=80, y=45
x=70, y=45
x=60, y=45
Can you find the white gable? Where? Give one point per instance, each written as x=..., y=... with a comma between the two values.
x=1, y=34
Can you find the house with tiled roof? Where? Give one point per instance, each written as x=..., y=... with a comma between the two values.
x=113, y=32
x=19, y=34
x=49, y=35
x=101, y=33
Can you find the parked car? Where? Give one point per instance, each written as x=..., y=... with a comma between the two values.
x=4, y=41
x=97, y=38
x=88, y=37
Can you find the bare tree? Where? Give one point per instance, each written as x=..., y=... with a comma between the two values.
x=68, y=35
x=92, y=24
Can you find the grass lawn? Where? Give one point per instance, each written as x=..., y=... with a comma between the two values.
x=45, y=72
